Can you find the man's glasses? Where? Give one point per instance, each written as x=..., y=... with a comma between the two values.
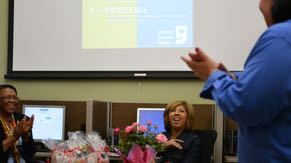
x=9, y=98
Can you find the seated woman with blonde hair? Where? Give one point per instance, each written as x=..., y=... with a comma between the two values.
x=183, y=145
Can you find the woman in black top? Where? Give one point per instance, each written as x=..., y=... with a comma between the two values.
x=16, y=142
x=183, y=145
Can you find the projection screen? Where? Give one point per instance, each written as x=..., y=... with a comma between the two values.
x=126, y=38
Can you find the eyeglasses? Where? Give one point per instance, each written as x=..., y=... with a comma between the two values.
x=10, y=98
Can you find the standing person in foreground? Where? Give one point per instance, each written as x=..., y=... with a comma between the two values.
x=16, y=142
x=259, y=98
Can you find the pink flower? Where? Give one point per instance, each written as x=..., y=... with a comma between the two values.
x=128, y=129
x=149, y=122
x=161, y=138
x=116, y=131
x=142, y=128
x=134, y=124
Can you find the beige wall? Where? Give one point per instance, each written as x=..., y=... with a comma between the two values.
x=130, y=90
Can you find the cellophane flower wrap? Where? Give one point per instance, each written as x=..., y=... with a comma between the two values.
x=139, y=144
x=80, y=147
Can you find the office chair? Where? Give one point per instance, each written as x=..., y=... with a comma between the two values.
x=207, y=138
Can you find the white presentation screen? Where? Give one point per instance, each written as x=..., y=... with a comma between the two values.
x=49, y=121
x=155, y=115
x=128, y=35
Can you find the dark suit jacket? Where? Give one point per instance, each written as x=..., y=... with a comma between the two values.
x=189, y=154
x=27, y=148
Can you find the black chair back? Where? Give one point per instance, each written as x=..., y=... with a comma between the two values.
x=207, y=138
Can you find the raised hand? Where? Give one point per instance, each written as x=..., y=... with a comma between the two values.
x=23, y=127
x=27, y=126
x=200, y=63
x=174, y=143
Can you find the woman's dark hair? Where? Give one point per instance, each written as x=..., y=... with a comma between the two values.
x=281, y=10
x=3, y=86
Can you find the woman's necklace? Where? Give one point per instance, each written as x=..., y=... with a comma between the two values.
x=174, y=135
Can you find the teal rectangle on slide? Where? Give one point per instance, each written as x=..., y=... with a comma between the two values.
x=165, y=24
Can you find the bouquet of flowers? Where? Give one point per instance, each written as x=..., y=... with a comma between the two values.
x=139, y=144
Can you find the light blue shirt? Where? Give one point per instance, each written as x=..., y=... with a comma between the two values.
x=260, y=100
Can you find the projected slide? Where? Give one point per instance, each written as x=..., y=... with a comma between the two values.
x=137, y=24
